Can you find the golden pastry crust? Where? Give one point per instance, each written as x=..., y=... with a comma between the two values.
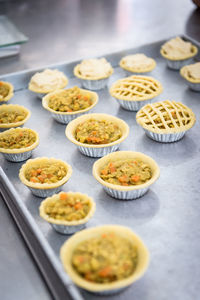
x=93, y=95
x=136, y=88
x=21, y=150
x=64, y=222
x=173, y=44
x=137, y=63
x=166, y=117
x=9, y=108
x=38, y=162
x=10, y=93
x=120, y=155
x=106, y=74
x=122, y=231
x=71, y=127
x=186, y=72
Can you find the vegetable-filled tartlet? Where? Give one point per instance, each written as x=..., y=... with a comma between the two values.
x=6, y=91
x=45, y=176
x=104, y=259
x=17, y=144
x=126, y=174
x=191, y=73
x=97, y=134
x=137, y=63
x=67, y=212
x=135, y=91
x=13, y=115
x=178, y=52
x=165, y=121
x=94, y=73
x=47, y=81
x=66, y=105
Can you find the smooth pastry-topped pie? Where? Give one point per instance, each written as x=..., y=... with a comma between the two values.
x=6, y=91
x=136, y=88
x=47, y=81
x=93, y=69
x=178, y=49
x=191, y=72
x=166, y=117
x=137, y=63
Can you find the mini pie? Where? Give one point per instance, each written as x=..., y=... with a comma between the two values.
x=47, y=81
x=6, y=91
x=114, y=239
x=67, y=212
x=45, y=176
x=166, y=117
x=137, y=63
x=120, y=190
x=13, y=115
x=93, y=69
x=191, y=72
x=66, y=105
x=178, y=49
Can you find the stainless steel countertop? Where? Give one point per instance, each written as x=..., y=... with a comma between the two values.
x=69, y=30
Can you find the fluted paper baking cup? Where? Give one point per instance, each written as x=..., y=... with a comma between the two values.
x=178, y=64
x=165, y=138
x=132, y=105
x=16, y=157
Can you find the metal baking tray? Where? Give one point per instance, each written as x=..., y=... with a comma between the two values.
x=166, y=218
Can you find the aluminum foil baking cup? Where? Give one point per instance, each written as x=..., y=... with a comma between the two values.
x=109, y=292
x=98, y=152
x=165, y=138
x=94, y=84
x=65, y=119
x=64, y=229
x=178, y=64
x=16, y=157
x=133, y=105
x=44, y=193
x=41, y=95
x=125, y=195
x=194, y=86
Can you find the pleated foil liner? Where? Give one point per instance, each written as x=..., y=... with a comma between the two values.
x=44, y=193
x=194, y=86
x=16, y=157
x=94, y=84
x=133, y=105
x=64, y=229
x=97, y=152
x=65, y=119
x=165, y=138
x=178, y=64
x=126, y=195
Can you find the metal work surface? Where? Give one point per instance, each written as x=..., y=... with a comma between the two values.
x=166, y=218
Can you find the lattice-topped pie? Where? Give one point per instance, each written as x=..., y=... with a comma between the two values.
x=137, y=63
x=165, y=121
x=132, y=92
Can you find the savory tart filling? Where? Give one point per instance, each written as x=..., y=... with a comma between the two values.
x=12, y=116
x=17, y=139
x=97, y=132
x=126, y=172
x=68, y=207
x=93, y=69
x=177, y=48
x=106, y=258
x=4, y=90
x=46, y=172
x=70, y=100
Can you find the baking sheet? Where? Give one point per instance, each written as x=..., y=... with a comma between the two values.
x=166, y=218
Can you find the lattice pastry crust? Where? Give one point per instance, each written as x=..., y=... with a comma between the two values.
x=166, y=117
x=136, y=88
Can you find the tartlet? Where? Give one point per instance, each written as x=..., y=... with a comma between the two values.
x=125, y=192
x=191, y=73
x=93, y=150
x=135, y=91
x=93, y=73
x=13, y=115
x=178, y=52
x=165, y=121
x=70, y=245
x=19, y=152
x=6, y=91
x=67, y=226
x=137, y=63
x=47, y=81
x=44, y=189
x=65, y=117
